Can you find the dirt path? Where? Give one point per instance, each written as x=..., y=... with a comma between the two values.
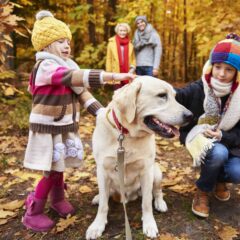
x=178, y=223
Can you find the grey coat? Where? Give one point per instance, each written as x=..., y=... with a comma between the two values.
x=148, y=47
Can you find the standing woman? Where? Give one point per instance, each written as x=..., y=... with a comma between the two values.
x=120, y=53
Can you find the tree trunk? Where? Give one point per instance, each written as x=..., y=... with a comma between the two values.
x=111, y=11
x=185, y=72
x=91, y=25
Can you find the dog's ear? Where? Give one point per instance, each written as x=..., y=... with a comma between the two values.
x=125, y=100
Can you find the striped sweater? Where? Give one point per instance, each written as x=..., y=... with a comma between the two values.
x=55, y=106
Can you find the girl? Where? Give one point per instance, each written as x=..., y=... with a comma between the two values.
x=58, y=87
x=214, y=142
x=120, y=54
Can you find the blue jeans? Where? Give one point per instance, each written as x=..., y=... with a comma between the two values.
x=219, y=166
x=144, y=70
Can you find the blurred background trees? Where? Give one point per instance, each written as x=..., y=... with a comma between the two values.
x=188, y=30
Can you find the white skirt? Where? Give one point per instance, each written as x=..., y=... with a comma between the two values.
x=53, y=152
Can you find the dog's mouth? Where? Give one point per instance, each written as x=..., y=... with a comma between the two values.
x=161, y=128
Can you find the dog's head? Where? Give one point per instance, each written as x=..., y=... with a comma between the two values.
x=148, y=105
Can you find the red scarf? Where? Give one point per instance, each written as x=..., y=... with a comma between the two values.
x=123, y=62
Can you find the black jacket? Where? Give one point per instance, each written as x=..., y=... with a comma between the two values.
x=192, y=97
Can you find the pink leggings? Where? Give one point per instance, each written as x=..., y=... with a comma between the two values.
x=46, y=183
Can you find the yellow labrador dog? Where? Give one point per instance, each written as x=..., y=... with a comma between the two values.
x=142, y=108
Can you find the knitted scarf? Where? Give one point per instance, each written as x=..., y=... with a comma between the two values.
x=144, y=38
x=196, y=143
x=69, y=63
x=123, y=53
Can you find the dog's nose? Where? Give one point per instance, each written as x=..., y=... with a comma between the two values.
x=187, y=116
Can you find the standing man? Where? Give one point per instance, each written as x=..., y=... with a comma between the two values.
x=148, y=48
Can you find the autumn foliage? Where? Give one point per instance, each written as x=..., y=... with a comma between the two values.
x=188, y=30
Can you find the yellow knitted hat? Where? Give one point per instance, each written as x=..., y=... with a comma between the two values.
x=47, y=29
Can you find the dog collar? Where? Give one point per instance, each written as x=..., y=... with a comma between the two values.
x=118, y=124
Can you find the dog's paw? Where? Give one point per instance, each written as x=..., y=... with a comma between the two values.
x=160, y=205
x=95, y=230
x=150, y=228
x=95, y=200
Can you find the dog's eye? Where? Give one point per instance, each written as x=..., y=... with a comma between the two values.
x=162, y=95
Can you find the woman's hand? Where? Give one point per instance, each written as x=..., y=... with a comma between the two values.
x=213, y=133
x=155, y=72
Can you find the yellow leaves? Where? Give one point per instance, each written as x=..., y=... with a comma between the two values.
x=169, y=236
x=177, y=144
x=11, y=144
x=12, y=182
x=166, y=182
x=183, y=188
x=7, y=74
x=5, y=214
x=79, y=175
x=163, y=143
x=85, y=189
x=9, y=90
x=3, y=221
x=2, y=179
x=65, y=223
x=9, y=210
x=16, y=204
x=25, y=176
x=228, y=233
x=8, y=23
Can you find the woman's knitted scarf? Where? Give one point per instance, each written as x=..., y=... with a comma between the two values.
x=196, y=143
x=123, y=53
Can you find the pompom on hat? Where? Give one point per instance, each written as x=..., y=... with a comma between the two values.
x=225, y=51
x=47, y=29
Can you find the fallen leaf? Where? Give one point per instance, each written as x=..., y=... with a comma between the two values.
x=183, y=188
x=9, y=91
x=177, y=144
x=85, y=189
x=5, y=214
x=25, y=176
x=187, y=170
x=93, y=180
x=11, y=171
x=2, y=179
x=3, y=221
x=65, y=223
x=228, y=233
x=10, y=183
x=163, y=143
x=78, y=175
x=170, y=182
x=166, y=236
x=16, y=204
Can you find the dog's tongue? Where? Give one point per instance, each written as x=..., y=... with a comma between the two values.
x=170, y=129
x=175, y=131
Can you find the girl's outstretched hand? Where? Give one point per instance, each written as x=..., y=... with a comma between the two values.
x=117, y=77
x=124, y=76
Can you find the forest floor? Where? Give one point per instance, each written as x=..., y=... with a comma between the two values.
x=178, y=223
